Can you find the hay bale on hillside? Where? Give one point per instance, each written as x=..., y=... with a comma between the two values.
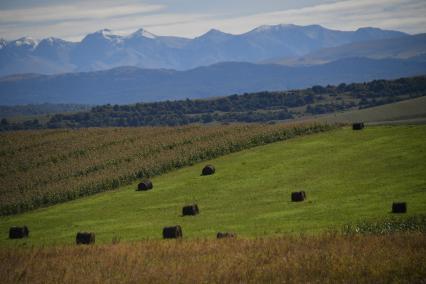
x=174, y=232
x=18, y=232
x=298, y=196
x=145, y=185
x=85, y=238
x=358, y=125
x=190, y=210
x=208, y=170
x=399, y=207
x=225, y=235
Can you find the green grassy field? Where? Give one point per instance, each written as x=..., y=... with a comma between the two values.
x=348, y=176
x=403, y=110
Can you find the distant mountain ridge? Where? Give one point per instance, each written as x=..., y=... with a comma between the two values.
x=400, y=47
x=131, y=84
x=104, y=50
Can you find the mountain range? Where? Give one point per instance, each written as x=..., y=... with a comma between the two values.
x=399, y=47
x=142, y=67
x=131, y=84
x=104, y=50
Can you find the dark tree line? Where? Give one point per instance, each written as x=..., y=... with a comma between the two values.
x=253, y=107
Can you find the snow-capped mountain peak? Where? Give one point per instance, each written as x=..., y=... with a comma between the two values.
x=105, y=32
x=142, y=33
x=52, y=41
x=103, y=49
x=266, y=28
x=3, y=43
x=104, y=35
x=25, y=41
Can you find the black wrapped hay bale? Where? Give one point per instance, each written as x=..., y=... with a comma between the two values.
x=399, y=207
x=190, y=210
x=225, y=235
x=145, y=185
x=19, y=232
x=174, y=232
x=208, y=170
x=85, y=238
x=357, y=125
x=298, y=196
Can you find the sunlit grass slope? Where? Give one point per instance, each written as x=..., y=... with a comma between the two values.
x=348, y=176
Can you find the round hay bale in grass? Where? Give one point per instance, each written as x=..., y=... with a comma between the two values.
x=208, y=170
x=18, y=232
x=357, y=125
x=190, y=210
x=298, y=196
x=85, y=238
x=145, y=185
x=225, y=235
x=174, y=232
x=399, y=207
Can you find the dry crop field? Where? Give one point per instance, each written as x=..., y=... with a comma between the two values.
x=328, y=258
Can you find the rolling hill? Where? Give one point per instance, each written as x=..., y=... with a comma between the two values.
x=81, y=162
x=348, y=176
x=410, y=110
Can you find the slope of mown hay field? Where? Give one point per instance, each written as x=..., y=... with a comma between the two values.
x=45, y=167
x=396, y=258
x=347, y=175
x=412, y=109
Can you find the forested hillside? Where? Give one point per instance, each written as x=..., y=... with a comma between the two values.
x=249, y=107
x=39, y=109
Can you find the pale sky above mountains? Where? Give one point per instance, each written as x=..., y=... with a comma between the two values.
x=72, y=20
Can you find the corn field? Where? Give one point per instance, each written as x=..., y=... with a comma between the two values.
x=46, y=167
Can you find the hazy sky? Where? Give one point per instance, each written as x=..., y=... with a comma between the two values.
x=73, y=19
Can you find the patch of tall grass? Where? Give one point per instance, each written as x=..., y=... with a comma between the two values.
x=328, y=258
x=387, y=226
